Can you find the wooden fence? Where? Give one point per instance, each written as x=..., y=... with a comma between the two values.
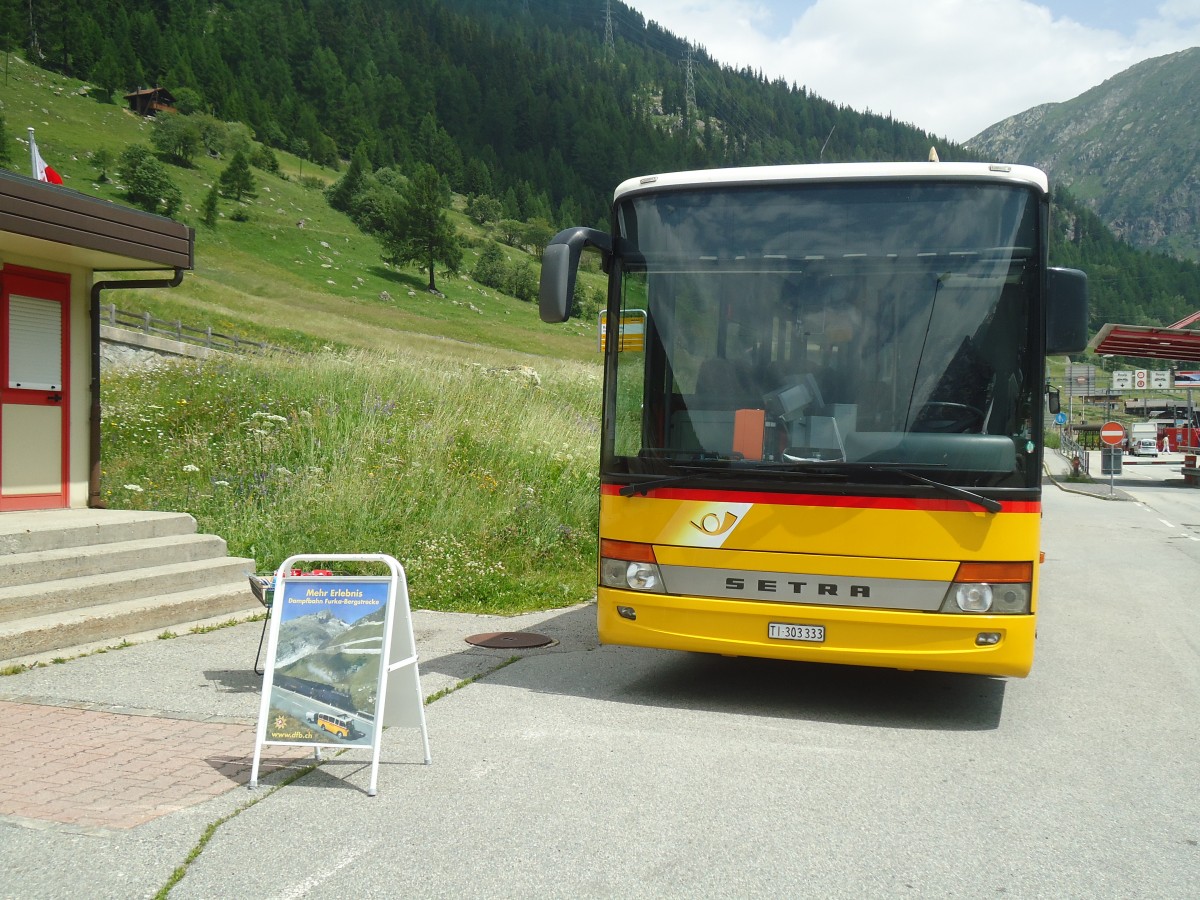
x=177, y=331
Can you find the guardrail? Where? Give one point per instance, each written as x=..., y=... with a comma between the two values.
x=1070, y=450
x=177, y=331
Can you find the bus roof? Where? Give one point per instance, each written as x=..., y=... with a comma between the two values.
x=827, y=172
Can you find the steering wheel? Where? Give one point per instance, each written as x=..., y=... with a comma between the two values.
x=954, y=418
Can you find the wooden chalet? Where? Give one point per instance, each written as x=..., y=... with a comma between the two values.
x=151, y=101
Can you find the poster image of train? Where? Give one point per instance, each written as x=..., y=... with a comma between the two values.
x=327, y=655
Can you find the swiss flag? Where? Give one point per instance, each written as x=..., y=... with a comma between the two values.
x=42, y=171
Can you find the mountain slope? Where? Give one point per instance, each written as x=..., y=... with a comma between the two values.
x=1129, y=148
x=515, y=99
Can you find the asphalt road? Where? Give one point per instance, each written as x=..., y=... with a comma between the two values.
x=1174, y=506
x=617, y=772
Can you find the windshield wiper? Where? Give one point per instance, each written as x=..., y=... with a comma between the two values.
x=826, y=470
x=829, y=466
x=700, y=472
x=992, y=506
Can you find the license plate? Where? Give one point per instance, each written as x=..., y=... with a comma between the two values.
x=786, y=632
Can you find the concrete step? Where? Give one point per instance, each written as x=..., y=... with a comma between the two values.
x=95, y=576
x=56, y=529
x=110, y=622
x=117, y=556
x=55, y=597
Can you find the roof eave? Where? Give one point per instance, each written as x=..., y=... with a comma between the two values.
x=47, y=219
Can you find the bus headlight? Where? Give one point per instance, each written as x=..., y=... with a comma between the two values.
x=629, y=566
x=996, y=588
x=643, y=576
x=973, y=597
x=1010, y=598
x=634, y=576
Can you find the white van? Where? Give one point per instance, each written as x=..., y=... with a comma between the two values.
x=1146, y=447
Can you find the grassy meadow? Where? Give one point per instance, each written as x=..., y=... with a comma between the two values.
x=456, y=433
x=479, y=478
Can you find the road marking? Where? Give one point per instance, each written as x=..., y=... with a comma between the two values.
x=346, y=857
x=1165, y=522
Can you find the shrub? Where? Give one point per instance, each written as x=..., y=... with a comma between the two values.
x=147, y=184
x=490, y=270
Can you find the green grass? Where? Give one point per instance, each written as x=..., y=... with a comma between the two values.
x=480, y=479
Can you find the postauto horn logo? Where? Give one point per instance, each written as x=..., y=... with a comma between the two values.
x=713, y=524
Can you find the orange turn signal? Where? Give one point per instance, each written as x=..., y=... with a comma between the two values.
x=628, y=550
x=995, y=572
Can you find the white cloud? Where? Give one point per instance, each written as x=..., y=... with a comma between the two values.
x=952, y=67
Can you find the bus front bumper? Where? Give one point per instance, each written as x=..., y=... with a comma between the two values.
x=854, y=636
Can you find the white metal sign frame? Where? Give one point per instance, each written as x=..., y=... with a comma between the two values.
x=397, y=629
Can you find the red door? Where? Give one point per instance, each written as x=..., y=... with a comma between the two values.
x=34, y=402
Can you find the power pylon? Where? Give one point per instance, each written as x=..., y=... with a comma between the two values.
x=610, y=49
x=689, y=86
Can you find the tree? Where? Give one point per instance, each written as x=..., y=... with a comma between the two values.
x=213, y=133
x=264, y=158
x=188, y=101
x=483, y=209
x=237, y=181
x=237, y=138
x=420, y=231
x=510, y=231
x=342, y=192
x=536, y=236
x=490, y=269
x=209, y=210
x=147, y=184
x=522, y=281
x=176, y=137
x=437, y=148
x=106, y=75
x=477, y=177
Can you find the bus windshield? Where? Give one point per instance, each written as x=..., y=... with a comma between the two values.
x=865, y=332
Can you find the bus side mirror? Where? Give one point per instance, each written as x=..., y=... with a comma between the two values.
x=1066, y=311
x=560, y=265
x=1052, y=400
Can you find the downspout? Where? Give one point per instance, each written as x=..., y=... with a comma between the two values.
x=95, y=501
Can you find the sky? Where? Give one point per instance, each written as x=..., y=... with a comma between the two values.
x=950, y=67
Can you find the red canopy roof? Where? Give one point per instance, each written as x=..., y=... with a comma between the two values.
x=1149, y=342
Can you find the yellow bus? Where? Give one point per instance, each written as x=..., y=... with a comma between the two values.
x=827, y=444
x=342, y=726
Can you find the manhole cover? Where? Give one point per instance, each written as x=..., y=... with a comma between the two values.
x=508, y=639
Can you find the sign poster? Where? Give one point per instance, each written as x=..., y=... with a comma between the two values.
x=325, y=676
x=1157, y=379
x=329, y=661
x=631, y=331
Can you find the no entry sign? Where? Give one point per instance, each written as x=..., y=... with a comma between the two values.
x=1112, y=433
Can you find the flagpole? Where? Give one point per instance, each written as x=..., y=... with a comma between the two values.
x=32, y=155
